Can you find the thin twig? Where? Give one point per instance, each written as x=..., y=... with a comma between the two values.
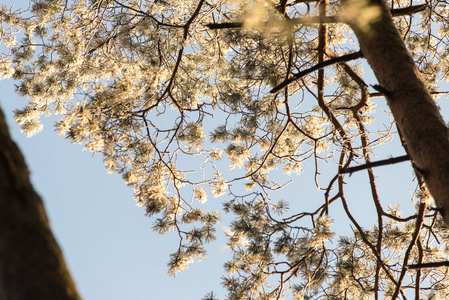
x=415, y=237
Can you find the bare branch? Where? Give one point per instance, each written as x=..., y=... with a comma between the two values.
x=378, y=163
x=430, y=265
x=313, y=20
x=346, y=57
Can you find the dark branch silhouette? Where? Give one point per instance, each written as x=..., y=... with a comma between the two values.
x=278, y=23
x=378, y=163
x=316, y=67
x=430, y=265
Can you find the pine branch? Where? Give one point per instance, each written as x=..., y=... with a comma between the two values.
x=225, y=25
x=278, y=23
x=408, y=10
x=378, y=163
x=326, y=63
x=430, y=265
x=313, y=20
x=383, y=91
x=378, y=94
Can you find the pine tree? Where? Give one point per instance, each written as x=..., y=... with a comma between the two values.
x=188, y=99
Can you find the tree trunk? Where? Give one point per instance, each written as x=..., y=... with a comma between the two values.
x=31, y=263
x=417, y=117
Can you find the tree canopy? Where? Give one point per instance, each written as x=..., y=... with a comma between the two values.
x=243, y=99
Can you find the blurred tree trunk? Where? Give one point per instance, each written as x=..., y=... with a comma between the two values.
x=31, y=263
x=424, y=133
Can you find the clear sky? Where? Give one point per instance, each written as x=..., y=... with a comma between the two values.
x=107, y=241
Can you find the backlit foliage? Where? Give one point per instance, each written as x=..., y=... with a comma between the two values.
x=184, y=112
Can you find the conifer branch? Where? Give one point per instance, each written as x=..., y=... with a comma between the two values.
x=316, y=67
x=408, y=10
x=429, y=265
x=313, y=20
x=378, y=163
x=415, y=237
x=379, y=94
x=278, y=23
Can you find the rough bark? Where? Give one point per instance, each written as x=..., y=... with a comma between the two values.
x=416, y=114
x=31, y=263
